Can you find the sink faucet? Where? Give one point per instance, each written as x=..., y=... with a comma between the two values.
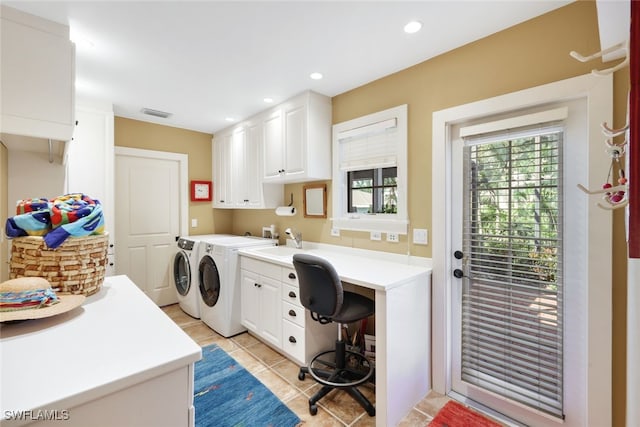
x=296, y=236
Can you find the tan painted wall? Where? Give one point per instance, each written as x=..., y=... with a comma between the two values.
x=197, y=145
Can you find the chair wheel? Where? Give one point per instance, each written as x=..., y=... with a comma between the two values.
x=313, y=409
x=301, y=376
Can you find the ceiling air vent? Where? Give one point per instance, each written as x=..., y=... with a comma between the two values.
x=155, y=113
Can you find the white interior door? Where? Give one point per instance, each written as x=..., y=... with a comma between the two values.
x=151, y=190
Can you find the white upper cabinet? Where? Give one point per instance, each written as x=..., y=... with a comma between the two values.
x=222, y=170
x=237, y=169
x=298, y=140
x=37, y=77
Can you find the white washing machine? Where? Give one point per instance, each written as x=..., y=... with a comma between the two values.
x=219, y=277
x=185, y=271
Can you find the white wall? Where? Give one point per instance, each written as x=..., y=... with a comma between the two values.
x=31, y=175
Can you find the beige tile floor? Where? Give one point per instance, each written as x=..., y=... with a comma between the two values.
x=280, y=375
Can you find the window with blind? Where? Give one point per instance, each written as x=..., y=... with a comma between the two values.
x=512, y=296
x=369, y=172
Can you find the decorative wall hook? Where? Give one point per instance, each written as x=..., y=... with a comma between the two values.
x=624, y=46
x=611, y=132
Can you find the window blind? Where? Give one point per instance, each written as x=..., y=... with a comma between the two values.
x=512, y=317
x=369, y=147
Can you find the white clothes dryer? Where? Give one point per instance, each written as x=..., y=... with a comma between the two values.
x=185, y=271
x=219, y=283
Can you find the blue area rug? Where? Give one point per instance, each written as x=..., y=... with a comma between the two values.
x=227, y=395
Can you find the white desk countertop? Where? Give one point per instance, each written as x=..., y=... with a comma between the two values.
x=371, y=269
x=116, y=339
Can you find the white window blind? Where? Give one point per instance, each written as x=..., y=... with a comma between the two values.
x=512, y=299
x=369, y=147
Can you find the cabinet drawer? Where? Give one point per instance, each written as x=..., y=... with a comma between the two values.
x=289, y=276
x=293, y=313
x=293, y=341
x=261, y=267
x=291, y=294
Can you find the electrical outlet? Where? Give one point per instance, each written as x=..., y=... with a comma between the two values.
x=420, y=236
x=393, y=237
x=335, y=232
x=376, y=235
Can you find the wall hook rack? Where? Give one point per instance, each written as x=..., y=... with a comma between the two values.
x=622, y=46
x=614, y=197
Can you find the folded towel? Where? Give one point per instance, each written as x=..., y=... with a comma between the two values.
x=74, y=215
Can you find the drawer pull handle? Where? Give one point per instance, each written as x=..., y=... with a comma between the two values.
x=292, y=276
x=292, y=294
x=292, y=339
x=292, y=313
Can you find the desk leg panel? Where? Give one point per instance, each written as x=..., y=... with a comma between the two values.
x=403, y=359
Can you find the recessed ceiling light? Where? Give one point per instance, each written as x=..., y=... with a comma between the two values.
x=413, y=27
x=268, y=100
x=230, y=119
x=315, y=76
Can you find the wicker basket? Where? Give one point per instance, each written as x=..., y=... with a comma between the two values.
x=77, y=266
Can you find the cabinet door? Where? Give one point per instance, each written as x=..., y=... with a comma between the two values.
x=238, y=194
x=273, y=145
x=250, y=294
x=222, y=172
x=37, y=77
x=270, y=311
x=252, y=164
x=295, y=140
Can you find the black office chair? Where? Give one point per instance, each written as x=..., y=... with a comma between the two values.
x=322, y=294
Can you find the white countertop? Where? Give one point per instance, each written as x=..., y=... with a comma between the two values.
x=370, y=269
x=116, y=339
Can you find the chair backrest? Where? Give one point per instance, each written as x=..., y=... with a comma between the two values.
x=320, y=287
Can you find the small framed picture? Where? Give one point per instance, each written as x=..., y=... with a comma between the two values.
x=201, y=191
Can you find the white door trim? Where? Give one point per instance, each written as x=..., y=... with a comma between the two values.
x=599, y=94
x=183, y=161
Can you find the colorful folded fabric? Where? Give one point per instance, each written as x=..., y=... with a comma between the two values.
x=31, y=205
x=25, y=300
x=29, y=224
x=74, y=215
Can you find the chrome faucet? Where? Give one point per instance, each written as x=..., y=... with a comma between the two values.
x=296, y=236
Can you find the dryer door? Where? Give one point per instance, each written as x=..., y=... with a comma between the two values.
x=209, y=281
x=182, y=273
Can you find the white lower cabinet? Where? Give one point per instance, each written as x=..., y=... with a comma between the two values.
x=298, y=336
x=260, y=311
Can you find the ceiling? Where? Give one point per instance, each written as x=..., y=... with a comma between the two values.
x=206, y=61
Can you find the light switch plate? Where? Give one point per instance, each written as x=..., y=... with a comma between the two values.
x=420, y=236
x=376, y=235
x=194, y=222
